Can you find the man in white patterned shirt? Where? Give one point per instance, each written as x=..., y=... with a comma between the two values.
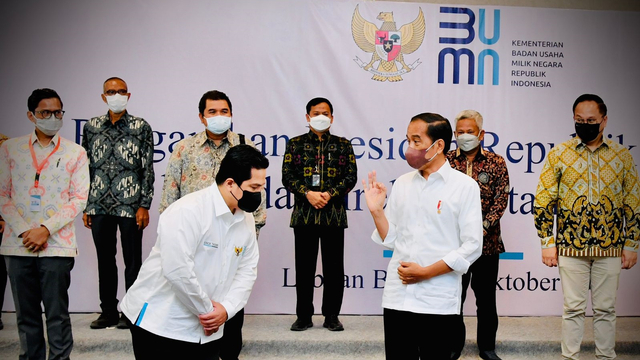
x=44, y=182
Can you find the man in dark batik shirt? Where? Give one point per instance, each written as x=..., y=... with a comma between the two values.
x=120, y=150
x=319, y=169
x=489, y=170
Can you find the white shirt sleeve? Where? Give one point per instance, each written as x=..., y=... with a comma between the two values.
x=245, y=277
x=178, y=239
x=470, y=224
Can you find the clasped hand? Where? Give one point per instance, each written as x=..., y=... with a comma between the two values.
x=318, y=199
x=212, y=321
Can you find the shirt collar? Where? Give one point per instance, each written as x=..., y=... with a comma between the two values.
x=325, y=135
x=444, y=172
x=201, y=138
x=53, y=141
x=222, y=209
x=124, y=118
x=480, y=153
x=578, y=144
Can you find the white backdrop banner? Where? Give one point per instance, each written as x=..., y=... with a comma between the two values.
x=521, y=68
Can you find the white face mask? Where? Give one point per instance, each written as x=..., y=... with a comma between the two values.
x=218, y=124
x=320, y=123
x=467, y=142
x=117, y=103
x=48, y=126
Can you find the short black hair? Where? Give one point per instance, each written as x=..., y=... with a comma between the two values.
x=40, y=94
x=591, y=97
x=319, y=100
x=213, y=95
x=238, y=162
x=438, y=127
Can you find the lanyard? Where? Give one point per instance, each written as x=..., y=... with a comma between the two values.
x=40, y=166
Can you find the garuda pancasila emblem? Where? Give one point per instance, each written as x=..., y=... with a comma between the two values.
x=387, y=44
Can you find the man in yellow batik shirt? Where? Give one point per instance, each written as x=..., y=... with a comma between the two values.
x=593, y=182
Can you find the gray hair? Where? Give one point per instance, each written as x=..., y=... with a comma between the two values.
x=470, y=114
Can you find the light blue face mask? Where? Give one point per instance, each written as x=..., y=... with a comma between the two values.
x=218, y=124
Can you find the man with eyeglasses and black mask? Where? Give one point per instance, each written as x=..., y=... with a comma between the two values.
x=120, y=150
x=44, y=182
x=589, y=189
x=433, y=223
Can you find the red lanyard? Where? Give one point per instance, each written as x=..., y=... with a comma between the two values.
x=40, y=166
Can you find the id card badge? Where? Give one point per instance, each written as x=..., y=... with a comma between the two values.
x=34, y=203
x=315, y=180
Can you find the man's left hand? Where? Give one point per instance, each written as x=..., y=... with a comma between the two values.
x=142, y=218
x=36, y=239
x=629, y=258
x=212, y=321
x=410, y=272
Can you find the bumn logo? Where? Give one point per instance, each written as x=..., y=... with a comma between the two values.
x=471, y=34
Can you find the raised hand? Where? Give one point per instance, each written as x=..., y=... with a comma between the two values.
x=375, y=193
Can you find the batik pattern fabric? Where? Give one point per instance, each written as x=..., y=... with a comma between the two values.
x=193, y=166
x=332, y=158
x=121, y=165
x=595, y=196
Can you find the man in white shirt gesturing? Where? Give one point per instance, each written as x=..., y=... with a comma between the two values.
x=433, y=222
x=203, y=266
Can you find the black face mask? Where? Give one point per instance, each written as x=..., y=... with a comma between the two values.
x=587, y=132
x=249, y=201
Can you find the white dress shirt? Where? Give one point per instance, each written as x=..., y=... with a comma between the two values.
x=431, y=220
x=203, y=253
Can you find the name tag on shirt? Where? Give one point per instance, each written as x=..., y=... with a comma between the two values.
x=315, y=180
x=34, y=203
x=210, y=244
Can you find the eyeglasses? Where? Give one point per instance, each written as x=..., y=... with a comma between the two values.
x=589, y=121
x=47, y=113
x=113, y=92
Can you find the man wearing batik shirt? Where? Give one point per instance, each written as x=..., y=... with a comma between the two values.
x=591, y=183
x=319, y=169
x=44, y=181
x=489, y=170
x=120, y=150
x=193, y=166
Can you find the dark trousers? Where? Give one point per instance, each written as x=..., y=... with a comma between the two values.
x=103, y=228
x=150, y=346
x=45, y=280
x=231, y=342
x=3, y=279
x=331, y=240
x=413, y=336
x=482, y=275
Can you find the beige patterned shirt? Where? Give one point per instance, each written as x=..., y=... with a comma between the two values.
x=193, y=166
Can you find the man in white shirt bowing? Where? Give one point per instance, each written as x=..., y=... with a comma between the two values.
x=433, y=222
x=203, y=266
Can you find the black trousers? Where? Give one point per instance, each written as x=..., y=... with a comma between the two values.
x=3, y=278
x=413, y=336
x=331, y=241
x=149, y=346
x=231, y=342
x=482, y=275
x=103, y=228
x=46, y=280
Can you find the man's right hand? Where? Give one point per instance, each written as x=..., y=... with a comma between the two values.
x=375, y=193
x=86, y=219
x=317, y=199
x=550, y=256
